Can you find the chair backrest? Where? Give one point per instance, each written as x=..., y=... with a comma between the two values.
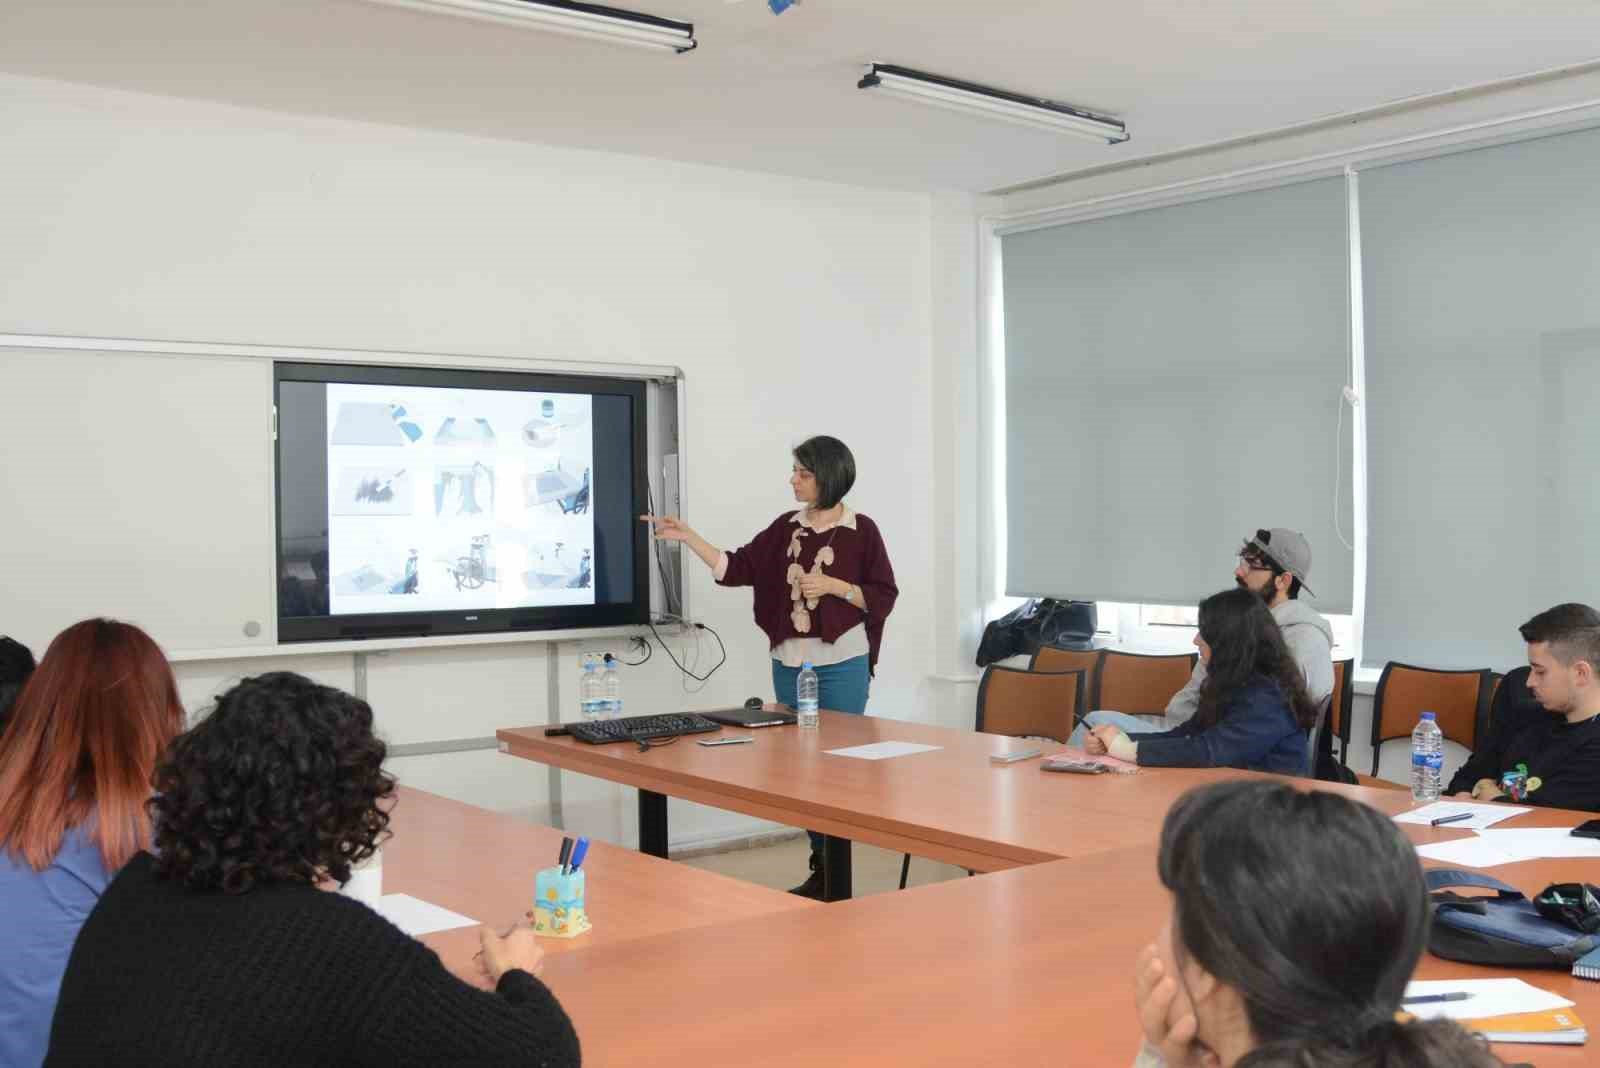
x=1314, y=735
x=1339, y=712
x=1039, y=704
x=1139, y=684
x=1051, y=658
x=1458, y=700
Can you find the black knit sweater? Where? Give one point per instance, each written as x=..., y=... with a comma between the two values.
x=282, y=975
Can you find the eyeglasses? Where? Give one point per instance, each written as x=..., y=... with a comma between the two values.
x=1255, y=563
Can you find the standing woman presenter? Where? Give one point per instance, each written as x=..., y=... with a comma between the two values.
x=823, y=588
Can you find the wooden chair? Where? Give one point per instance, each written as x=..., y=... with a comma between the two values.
x=1025, y=704
x=1459, y=701
x=1139, y=684
x=1051, y=658
x=1314, y=735
x=1339, y=713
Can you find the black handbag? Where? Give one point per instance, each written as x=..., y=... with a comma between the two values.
x=1042, y=621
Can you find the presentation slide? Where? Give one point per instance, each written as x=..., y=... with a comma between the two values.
x=458, y=499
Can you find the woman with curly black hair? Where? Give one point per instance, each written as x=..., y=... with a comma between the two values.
x=221, y=949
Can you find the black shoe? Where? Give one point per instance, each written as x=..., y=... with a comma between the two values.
x=812, y=887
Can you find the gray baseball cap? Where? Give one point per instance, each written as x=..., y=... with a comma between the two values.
x=1288, y=549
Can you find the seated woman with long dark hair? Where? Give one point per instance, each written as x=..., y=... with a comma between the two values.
x=221, y=949
x=1282, y=952
x=1253, y=711
x=75, y=764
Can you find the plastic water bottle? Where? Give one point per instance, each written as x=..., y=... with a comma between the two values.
x=1427, y=759
x=806, y=697
x=591, y=701
x=611, y=689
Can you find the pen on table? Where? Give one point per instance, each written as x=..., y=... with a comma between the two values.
x=579, y=851
x=1431, y=999
x=1457, y=818
x=566, y=854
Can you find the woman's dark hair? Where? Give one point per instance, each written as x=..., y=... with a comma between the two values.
x=1245, y=642
x=282, y=782
x=1314, y=910
x=16, y=664
x=830, y=460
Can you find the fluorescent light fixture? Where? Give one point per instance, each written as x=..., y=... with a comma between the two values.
x=984, y=102
x=594, y=21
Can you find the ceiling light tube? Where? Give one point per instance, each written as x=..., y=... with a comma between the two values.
x=985, y=102
x=594, y=21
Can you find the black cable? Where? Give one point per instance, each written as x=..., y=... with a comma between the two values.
x=723, y=649
x=643, y=643
x=647, y=744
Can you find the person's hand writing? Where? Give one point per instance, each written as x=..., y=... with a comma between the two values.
x=1092, y=743
x=1166, y=1017
x=518, y=948
x=668, y=527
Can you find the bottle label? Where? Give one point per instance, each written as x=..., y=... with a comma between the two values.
x=1435, y=761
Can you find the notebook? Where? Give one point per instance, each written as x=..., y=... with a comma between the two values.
x=1558, y=1027
x=1073, y=755
x=1588, y=965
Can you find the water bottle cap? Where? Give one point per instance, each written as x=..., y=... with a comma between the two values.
x=805, y=665
x=1427, y=715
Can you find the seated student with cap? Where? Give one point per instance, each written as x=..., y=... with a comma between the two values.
x=1546, y=718
x=1253, y=711
x=1279, y=950
x=219, y=948
x=1274, y=565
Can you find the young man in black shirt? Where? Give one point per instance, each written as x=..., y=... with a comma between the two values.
x=1546, y=717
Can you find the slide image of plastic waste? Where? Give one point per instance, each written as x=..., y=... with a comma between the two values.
x=464, y=489
x=373, y=491
x=471, y=569
x=562, y=487
x=461, y=432
x=543, y=431
x=360, y=423
x=554, y=566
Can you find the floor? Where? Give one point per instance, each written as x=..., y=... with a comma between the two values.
x=784, y=864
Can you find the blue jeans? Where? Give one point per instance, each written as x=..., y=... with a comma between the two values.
x=1130, y=725
x=841, y=687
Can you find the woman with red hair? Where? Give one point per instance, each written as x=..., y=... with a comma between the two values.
x=75, y=767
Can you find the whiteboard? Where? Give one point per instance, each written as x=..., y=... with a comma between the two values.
x=137, y=483
x=136, y=486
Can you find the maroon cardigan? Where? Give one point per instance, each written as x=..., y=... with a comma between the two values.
x=859, y=558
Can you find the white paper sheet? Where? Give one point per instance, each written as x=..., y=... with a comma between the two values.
x=1482, y=815
x=883, y=750
x=1472, y=852
x=1490, y=997
x=1532, y=843
x=417, y=917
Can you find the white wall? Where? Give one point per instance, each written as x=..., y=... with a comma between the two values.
x=794, y=307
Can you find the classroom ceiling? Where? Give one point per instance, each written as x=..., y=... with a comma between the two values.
x=777, y=93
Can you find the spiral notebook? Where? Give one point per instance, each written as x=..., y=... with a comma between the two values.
x=1588, y=965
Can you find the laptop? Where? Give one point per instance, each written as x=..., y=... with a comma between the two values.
x=750, y=717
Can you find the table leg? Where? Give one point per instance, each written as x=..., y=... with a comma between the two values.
x=835, y=868
x=653, y=824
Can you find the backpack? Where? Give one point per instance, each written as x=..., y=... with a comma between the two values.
x=1502, y=929
x=1045, y=621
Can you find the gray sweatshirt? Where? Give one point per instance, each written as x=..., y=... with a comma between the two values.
x=1310, y=640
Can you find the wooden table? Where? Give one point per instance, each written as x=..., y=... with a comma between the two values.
x=950, y=804
x=1028, y=966
x=481, y=864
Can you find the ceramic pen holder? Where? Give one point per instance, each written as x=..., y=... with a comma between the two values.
x=558, y=910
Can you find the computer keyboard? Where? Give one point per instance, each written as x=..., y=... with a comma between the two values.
x=640, y=728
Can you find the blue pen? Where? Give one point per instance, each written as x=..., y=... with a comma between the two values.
x=579, y=851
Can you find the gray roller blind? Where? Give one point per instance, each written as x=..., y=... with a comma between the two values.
x=1482, y=281
x=1172, y=382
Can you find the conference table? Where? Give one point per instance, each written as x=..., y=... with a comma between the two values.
x=1030, y=963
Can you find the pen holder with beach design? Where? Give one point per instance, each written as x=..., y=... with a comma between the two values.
x=558, y=910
